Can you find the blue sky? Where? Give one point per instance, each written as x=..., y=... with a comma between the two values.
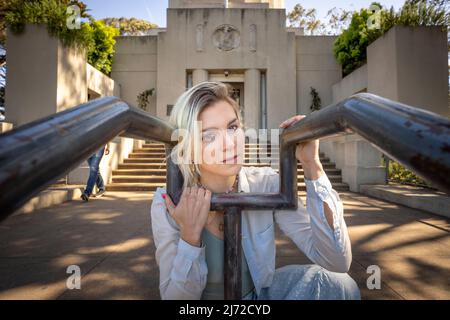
x=155, y=10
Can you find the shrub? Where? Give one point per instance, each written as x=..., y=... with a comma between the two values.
x=399, y=174
x=101, y=52
x=53, y=14
x=94, y=36
x=350, y=47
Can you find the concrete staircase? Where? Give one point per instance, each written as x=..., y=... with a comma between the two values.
x=145, y=169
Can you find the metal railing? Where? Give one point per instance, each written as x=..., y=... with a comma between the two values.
x=34, y=155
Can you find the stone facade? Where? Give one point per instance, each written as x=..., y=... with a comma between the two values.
x=246, y=44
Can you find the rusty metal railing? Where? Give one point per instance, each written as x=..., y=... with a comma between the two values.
x=34, y=155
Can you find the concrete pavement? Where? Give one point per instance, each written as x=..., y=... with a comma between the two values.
x=110, y=239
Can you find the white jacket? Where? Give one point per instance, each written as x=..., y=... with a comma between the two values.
x=183, y=269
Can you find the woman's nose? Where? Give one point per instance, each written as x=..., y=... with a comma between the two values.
x=229, y=141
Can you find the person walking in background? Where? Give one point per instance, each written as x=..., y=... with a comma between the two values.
x=95, y=178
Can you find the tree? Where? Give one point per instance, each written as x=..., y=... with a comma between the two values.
x=304, y=18
x=130, y=26
x=101, y=50
x=338, y=20
x=52, y=13
x=350, y=47
x=92, y=35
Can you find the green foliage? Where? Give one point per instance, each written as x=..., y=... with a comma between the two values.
x=142, y=98
x=94, y=36
x=130, y=26
x=316, y=103
x=423, y=13
x=101, y=50
x=399, y=174
x=52, y=13
x=350, y=47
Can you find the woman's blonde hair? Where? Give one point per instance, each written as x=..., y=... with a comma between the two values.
x=185, y=115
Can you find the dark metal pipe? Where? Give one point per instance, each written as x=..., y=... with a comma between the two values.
x=232, y=254
x=418, y=139
x=34, y=155
x=42, y=151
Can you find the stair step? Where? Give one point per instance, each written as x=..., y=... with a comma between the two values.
x=157, y=171
x=139, y=172
x=146, y=165
x=145, y=168
x=247, y=155
x=138, y=179
x=134, y=186
x=144, y=160
x=149, y=151
x=146, y=156
x=161, y=178
x=246, y=161
x=124, y=186
x=247, y=147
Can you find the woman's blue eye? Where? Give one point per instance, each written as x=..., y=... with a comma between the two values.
x=209, y=138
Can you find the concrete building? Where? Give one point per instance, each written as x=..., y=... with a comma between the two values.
x=272, y=69
x=243, y=43
x=246, y=44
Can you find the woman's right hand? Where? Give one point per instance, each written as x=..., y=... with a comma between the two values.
x=191, y=213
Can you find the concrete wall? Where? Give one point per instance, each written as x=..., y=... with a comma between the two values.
x=120, y=148
x=410, y=65
x=275, y=4
x=71, y=86
x=197, y=4
x=317, y=68
x=135, y=68
x=359, y=160
x=178, y=53
x=45, y=77
x=350, y=84
x=32, y=75
x=100, y=84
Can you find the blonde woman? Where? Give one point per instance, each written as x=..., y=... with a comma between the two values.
x=189, y=237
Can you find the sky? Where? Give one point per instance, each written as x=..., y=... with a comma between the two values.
x=155, y=10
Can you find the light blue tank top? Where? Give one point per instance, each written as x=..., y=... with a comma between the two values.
x=214, y=253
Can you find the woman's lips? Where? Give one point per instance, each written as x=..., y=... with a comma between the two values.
x=231, y=160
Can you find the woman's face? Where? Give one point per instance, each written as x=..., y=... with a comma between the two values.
x=222, y=140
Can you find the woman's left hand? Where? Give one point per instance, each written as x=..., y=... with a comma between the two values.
x=307, y=152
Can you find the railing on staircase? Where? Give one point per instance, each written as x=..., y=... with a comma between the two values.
x=36, y=154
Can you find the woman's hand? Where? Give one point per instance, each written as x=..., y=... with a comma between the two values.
x=307, y=153
x=191, y=213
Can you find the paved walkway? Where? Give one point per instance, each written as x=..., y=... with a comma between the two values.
x=110, y=239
